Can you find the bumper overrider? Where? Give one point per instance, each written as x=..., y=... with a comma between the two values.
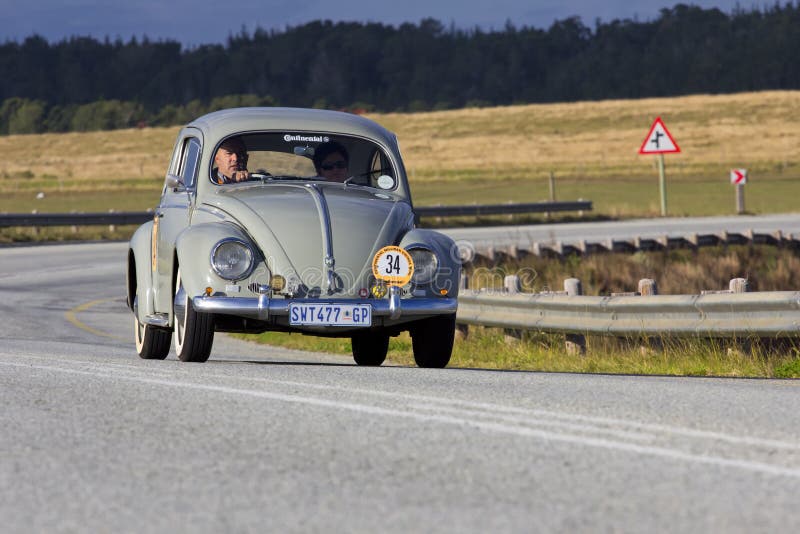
x=265, y=307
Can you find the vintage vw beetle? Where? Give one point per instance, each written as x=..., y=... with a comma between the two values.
x=286, y=249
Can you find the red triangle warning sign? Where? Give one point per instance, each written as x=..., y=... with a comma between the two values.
x=659, y=140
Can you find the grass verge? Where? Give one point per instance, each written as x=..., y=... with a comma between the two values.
x=25, y=235
x=487, y=348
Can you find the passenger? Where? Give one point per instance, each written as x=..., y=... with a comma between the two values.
x=331, y=161
x=230, y=162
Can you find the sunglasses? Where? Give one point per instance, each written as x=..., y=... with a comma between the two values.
x=341, y=164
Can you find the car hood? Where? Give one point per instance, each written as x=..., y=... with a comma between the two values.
x=286, y=222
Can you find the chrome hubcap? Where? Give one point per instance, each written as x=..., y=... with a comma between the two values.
x=179, y=311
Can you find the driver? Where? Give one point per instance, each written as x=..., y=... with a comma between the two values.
x=230, y=162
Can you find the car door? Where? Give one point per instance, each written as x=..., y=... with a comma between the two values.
x=173, y=215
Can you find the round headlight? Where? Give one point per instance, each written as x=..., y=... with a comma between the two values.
x=232, y=259
x=425, y=265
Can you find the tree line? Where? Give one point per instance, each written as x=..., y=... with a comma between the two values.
x=82, y=83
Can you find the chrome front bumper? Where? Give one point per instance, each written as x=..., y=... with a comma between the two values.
x=263, y=307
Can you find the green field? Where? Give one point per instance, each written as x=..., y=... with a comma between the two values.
x=618, y=198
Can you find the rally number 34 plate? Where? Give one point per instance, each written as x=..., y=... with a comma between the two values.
x=328, y=314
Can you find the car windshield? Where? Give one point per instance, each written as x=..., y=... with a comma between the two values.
x=305, y=156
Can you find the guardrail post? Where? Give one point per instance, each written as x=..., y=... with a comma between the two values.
x=462, y=330
x=740, y=346
x=34, y=229
x=647, y=287
x=512, y=286
x=574, y=343
x=739, y=285
x=552, y=197
x=111, y=227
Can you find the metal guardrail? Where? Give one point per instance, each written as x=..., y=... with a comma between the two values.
x=89, y=219
x=503, y=209
x=734, y=313
x=764, y=314
x=522, y=247
x=73, y=219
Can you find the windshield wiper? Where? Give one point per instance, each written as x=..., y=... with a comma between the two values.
x=271, y=177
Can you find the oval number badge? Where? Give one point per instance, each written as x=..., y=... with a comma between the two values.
x=393, y=265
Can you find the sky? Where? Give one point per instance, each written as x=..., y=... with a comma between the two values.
x=194, y=22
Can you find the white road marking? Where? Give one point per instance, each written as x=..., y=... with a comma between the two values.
x=497, y=408
x=491, y=409
x=530, y=421
x=662, y=452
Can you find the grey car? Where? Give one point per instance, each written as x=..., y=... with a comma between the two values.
x=287, y=249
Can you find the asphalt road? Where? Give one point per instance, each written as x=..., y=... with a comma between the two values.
x=93, y=439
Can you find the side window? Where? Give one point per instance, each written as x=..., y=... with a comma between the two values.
x=379, y=166
x=174, y=161
x=191, y=158
x=375, y=168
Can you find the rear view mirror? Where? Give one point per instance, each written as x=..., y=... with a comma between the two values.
x=307, y=151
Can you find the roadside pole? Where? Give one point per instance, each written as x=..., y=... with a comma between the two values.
x=662, y=184
x=739, y=199
x=659, y=142
x=738, y=179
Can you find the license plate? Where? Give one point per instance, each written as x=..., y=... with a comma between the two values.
x=327, y=314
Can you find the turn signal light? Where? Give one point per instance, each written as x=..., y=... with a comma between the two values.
x=277, y=282
x=378, y=291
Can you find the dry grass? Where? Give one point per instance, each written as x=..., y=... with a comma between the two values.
x=496, y=154
x=676, y=272
x=754, y=130
x=85, y=161
x=594, y=139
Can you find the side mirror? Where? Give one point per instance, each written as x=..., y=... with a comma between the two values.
x=175, y=183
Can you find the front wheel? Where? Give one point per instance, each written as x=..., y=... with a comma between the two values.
x=151, y=343
x=194, y=331
x=370, y=348
x=432, y=340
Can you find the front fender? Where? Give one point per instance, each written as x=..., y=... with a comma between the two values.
x=449, y=272
x=193, y=249
x=139, y=273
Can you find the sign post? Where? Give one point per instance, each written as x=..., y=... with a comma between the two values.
x=662, y=184
x=738, y=179
x=659, y=141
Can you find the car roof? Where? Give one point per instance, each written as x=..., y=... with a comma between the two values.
x=221, y=124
